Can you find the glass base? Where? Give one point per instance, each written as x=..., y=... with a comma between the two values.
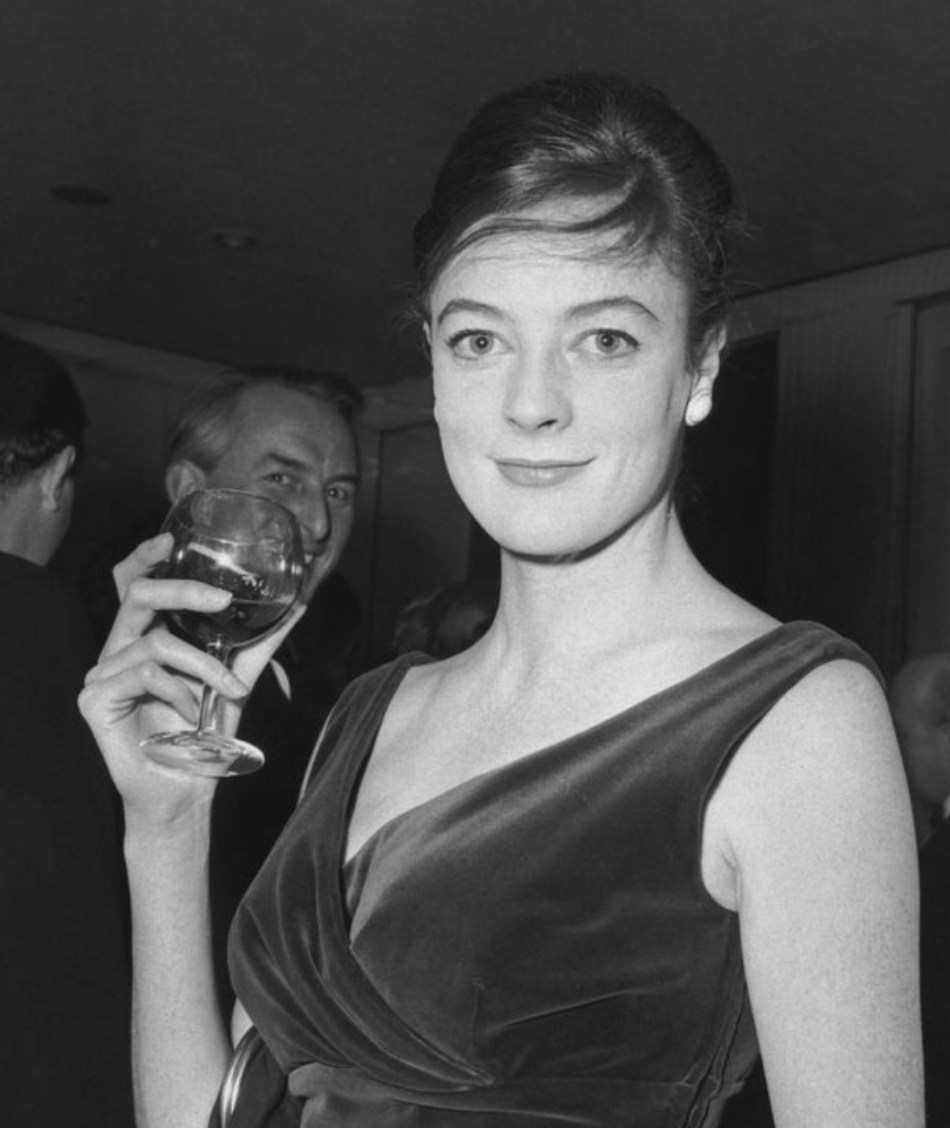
x=203, y=753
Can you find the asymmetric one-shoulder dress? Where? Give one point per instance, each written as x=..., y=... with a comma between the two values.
x=535, y=946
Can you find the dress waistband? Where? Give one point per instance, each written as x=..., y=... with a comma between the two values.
x=342, y=1098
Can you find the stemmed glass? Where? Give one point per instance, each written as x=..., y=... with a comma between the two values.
x=250, y=546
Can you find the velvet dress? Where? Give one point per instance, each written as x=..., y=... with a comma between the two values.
x=533, y=947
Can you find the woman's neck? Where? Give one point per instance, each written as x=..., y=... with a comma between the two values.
x=574, y=609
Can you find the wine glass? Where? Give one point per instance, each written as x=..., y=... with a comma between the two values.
x=250, y=546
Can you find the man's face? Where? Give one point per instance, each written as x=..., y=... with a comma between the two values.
x=293, y=448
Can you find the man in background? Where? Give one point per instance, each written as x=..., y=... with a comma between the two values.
x=919, y=699
x=64, y=963
x=287, y=433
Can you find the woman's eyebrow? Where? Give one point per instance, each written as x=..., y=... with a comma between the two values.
x=466, y=305
x=604, y=305
x=584, y=309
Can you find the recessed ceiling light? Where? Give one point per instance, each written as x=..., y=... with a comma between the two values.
x=81, y=195
x=233, y=239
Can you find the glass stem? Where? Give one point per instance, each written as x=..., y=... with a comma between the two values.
x=209, y=698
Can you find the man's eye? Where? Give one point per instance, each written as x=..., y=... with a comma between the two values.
x=278, y=478
x=611, y=342
x=473, y=343
x=341, y=495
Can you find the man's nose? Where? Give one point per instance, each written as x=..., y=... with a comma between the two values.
x=314, y=517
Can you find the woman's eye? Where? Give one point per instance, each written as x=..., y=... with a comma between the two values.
x=611, y=342
x=473, y=343
x=278, y=478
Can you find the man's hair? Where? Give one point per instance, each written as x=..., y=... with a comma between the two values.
x=40, y=410
x=204, y=429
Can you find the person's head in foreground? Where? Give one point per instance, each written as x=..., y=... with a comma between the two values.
x=578, y=227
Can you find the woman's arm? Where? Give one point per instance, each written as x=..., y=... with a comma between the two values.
x=180, y=1046
x=815, y=825
x=148, y=680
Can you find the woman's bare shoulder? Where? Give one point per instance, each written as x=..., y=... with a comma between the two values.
x=820, y=771
x=837, y=709
x=830, y=729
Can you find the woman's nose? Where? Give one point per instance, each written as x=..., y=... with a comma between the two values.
x=537, y=395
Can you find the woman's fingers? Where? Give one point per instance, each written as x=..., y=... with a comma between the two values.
x=151, y=683
x=160, y=648
x=135, y=618
x=109, y=699
x=145, y=598
x=122, y=709
x=141, y=561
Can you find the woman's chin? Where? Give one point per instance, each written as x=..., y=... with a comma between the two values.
x=541, y=542
x=552, y=548
x=533, y=543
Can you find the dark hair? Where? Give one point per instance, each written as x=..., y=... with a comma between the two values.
x=40, y=410
x=587, y=136
x=447, y=620
x=203, y=430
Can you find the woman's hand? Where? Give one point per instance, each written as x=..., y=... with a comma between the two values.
x=147, y=680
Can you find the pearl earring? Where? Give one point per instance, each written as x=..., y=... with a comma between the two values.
x=698, y=407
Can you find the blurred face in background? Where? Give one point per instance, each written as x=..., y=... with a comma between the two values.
x=296, y=449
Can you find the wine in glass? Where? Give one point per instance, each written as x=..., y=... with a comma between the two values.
x=251, y=547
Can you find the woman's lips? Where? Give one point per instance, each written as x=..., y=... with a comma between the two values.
x=538, y=474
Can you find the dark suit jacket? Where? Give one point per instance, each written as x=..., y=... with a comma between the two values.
x=64, y=961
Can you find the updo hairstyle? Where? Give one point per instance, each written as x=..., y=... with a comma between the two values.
x=582, y=137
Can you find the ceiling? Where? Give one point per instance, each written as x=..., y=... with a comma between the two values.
x=317, y=126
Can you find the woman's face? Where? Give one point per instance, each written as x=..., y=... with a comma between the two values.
x=561, y=386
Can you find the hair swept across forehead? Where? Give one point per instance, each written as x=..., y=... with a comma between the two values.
x=203, y=430
x=656, y=183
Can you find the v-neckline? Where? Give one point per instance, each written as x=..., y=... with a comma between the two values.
x=336, y=802
x=397, y=675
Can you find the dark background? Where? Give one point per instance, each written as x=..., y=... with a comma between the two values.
x=315, y=127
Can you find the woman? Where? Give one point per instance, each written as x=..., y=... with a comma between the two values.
x=569, y=874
